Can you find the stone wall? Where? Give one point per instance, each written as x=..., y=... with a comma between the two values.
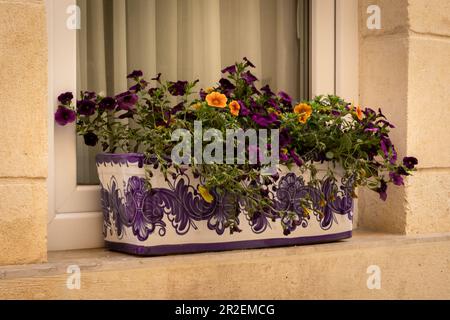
x=23, y=131
x=405, y=70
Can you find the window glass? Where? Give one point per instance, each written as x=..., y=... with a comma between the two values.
x=188, y=40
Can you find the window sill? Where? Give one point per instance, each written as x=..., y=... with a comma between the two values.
x=411, y=266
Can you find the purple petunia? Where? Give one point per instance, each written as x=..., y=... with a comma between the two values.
x=126, y=101
x=177, y=108
x=396, y=178
x=139, y=86
x=230, y=69
x=64, y=116
x=65, y=98
x=157, y=78
x=263, y=121
x=249, y=63
x=178, y=88
x=107, y=103
x=86, y=107
x=370, y=127
x=89, y=95
x=285, y=138
x=266, y=89
x=385, y=123
x=410, y=162
x=135, y=74
x=285, y=97
x=298, y=161
x=382, y=190
x=202, y=94
x=249, y=78
x=90, y=139
x=244, y=110
x=226, y=84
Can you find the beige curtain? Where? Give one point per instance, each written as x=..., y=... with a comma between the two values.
x=185, y=40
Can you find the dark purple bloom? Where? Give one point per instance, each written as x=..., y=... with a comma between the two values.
x=393, y=159
x=64, y=116
x=263, y=121
x=126, y=100
x=298, y=161
x=370, y=127
x=369, y=112
x=285, y=138
x=385, y=144
x=152, y=91
x=396, y=178
x=157, y=78
x=244, y=111
x=86, y=107
x=402, y=171
x=226, y=84
x=249, y=63
x=284, y=157
x=273, y=104
x=230, y=69
x=89, y=95
x=135, y=74
x=382, y=190
x=267, y=91
x=380, y=114
x=285, y=97
x=260, y=120
x=139, y=86
x=249, y=78
x=65, y=98
x=107, y=103
x=203, y=94
x=178, y=88
x=90, y=139
x=385, y=123
x=177, y=108
x=335, y=113
x=410, y=162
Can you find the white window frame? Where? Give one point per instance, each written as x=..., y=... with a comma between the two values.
x=75, y=218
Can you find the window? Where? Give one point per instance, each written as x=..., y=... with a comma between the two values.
x=304, y=47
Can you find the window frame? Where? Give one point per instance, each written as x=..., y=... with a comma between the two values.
x=75, y=218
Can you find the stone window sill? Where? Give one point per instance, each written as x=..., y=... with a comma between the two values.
x=411, y=267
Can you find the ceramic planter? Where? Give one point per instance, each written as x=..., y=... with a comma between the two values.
x=174, y=218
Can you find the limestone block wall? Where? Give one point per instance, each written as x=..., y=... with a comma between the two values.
x=23, y=131
x=405, y=70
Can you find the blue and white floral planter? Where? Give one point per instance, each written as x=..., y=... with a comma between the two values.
x=174, y=218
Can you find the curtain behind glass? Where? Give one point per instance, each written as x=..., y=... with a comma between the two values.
x=188, y=40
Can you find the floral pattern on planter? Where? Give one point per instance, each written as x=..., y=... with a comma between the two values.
x=143, y=211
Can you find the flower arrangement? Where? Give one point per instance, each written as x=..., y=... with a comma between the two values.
x=323, y=130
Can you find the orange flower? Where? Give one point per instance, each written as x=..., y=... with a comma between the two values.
x=235, y=107
x=359, y=113
x=304, y=110
x=216, y=99
x=303, y=118
x=197, y=106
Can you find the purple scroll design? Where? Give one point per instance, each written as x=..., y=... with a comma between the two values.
x=182, y=205
x=343, y=199
x=143, y=213
x=291, y=189
x=104, y=198
x=225, y=207
x=119, y=215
